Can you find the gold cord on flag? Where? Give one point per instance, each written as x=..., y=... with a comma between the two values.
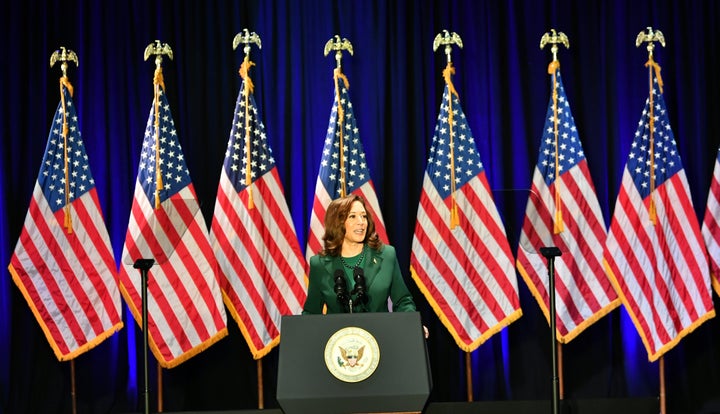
x=447, y=75
x=158, y=82
x=556, y=38
x=653, y=68
x=338, y=45
x=449, y=39
x=65, y=82
x=158, y=49
x=246, y=37
x=558, y=226
x=650, y=37
x=249, y=87
x=65, y=55
x=337, y=75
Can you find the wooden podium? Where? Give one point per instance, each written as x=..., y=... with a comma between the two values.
x=353, y=363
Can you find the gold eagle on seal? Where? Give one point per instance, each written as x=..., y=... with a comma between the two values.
x=351, y=357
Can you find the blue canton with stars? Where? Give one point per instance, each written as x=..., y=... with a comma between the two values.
x=261, y=157
x=356, y=168
x=667, y=159
x=51, y=177
x=467, y=159
x=571, y=152
x=175, y=175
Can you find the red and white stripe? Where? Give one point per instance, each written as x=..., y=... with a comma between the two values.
x=185, y=309
x=68, y=279
x=660, y=270
x=260, y=264
x=583, y=291
x=467, y=273
x=711, y=226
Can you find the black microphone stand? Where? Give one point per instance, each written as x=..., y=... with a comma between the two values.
x=144, y=265
x=550, y=253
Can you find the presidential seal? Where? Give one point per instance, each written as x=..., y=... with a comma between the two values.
x=352, y=354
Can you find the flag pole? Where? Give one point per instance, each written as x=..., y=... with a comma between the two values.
x=72, y=386
x=555, y=38
x=158, y=49
x=246, y=38
x=650, y=37
x=653, y=69
x=338, y=45
x=66, y=55
x=448, y=39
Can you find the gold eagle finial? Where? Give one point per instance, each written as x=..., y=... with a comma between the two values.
x=448, y=39
x=158, y=49
x=554, y=38
x=651, y=36
x=63, y=55
x=246, y=37
x=338, y=45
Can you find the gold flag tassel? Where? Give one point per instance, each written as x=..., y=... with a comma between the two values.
x=337, y=75
x=158, y=82
x=447, y=75
x=653, y=67
x=65, y=82
x=249, y=88
x=558, y=226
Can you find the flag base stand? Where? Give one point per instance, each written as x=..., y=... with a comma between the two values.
x=550, y=253
x=144, y=265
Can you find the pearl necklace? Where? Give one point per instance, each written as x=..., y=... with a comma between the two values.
x=360, y=260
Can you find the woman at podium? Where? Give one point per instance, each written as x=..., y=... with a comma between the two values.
x=355, y=271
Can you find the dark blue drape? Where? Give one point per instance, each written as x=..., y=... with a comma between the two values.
x=395, y=85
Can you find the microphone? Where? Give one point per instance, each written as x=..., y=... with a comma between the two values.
x=341, y=288
x=359, y=290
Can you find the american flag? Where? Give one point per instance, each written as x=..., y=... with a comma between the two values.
x=466, y=272
x=583, y=292
x=711, y=225
x=343, y=169
x=261, y=267
x=654, y=252
x=185, y=308
x=63, y=261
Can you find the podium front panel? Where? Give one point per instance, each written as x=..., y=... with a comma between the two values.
x=400, y=383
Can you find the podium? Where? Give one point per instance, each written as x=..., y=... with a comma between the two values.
x=312, y=364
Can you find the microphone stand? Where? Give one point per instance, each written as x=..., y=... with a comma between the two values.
x=144, y=265
x=550, y=253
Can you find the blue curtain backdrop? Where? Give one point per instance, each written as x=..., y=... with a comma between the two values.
x=395, y=84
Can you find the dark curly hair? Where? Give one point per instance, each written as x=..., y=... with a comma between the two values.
x=335, y=217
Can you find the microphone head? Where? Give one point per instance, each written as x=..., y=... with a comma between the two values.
x=358, y=272
x=339, y=276
x=359, y=290
x=341, y=287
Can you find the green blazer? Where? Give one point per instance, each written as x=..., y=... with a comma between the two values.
x=383, y=280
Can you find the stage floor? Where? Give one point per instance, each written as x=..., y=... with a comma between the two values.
x=585, y=406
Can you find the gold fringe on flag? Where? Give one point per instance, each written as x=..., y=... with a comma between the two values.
x=65, y=82
x=447, y=75
x=249, y=87
x=558, y=226
x=337, y=75
x=159, y=82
